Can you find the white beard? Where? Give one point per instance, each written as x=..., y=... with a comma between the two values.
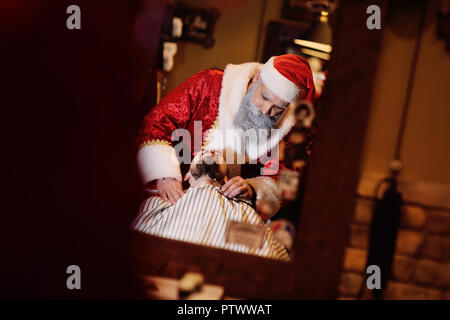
x=249, y=116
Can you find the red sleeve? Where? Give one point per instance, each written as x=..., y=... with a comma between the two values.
x=156, y=157
x=174, y=111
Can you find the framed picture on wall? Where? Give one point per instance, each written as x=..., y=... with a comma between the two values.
x=197, y=24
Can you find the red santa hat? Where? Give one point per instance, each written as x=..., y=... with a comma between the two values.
x=289, y=76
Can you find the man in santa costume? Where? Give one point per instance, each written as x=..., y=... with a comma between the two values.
x=242, y=97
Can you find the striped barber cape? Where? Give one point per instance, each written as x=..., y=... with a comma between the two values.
x=201, y=216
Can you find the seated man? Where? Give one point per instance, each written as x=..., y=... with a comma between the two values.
x=203, y=213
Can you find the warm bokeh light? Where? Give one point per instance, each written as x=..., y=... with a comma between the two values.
x=314, y=45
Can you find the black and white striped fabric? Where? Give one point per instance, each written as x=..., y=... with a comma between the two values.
x=201, y=216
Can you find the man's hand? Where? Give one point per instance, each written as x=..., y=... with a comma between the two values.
x=237, y=186
x=170, y=189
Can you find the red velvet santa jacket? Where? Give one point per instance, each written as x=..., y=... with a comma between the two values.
x=212, y=97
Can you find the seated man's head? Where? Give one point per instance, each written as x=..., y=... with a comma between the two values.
x=207, y=167
x=282, y=80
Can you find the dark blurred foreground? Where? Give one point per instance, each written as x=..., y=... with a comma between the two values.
x=69, y=104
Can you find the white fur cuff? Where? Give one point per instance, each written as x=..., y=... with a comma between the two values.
x=158, y=161
x=267, y=197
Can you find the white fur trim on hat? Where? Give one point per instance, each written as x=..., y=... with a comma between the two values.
x=277, y=83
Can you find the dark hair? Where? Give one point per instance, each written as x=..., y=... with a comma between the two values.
x=211, y=170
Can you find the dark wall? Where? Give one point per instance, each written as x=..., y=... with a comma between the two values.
x=69, y=109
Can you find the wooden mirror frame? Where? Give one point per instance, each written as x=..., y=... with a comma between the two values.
x=330, y=191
